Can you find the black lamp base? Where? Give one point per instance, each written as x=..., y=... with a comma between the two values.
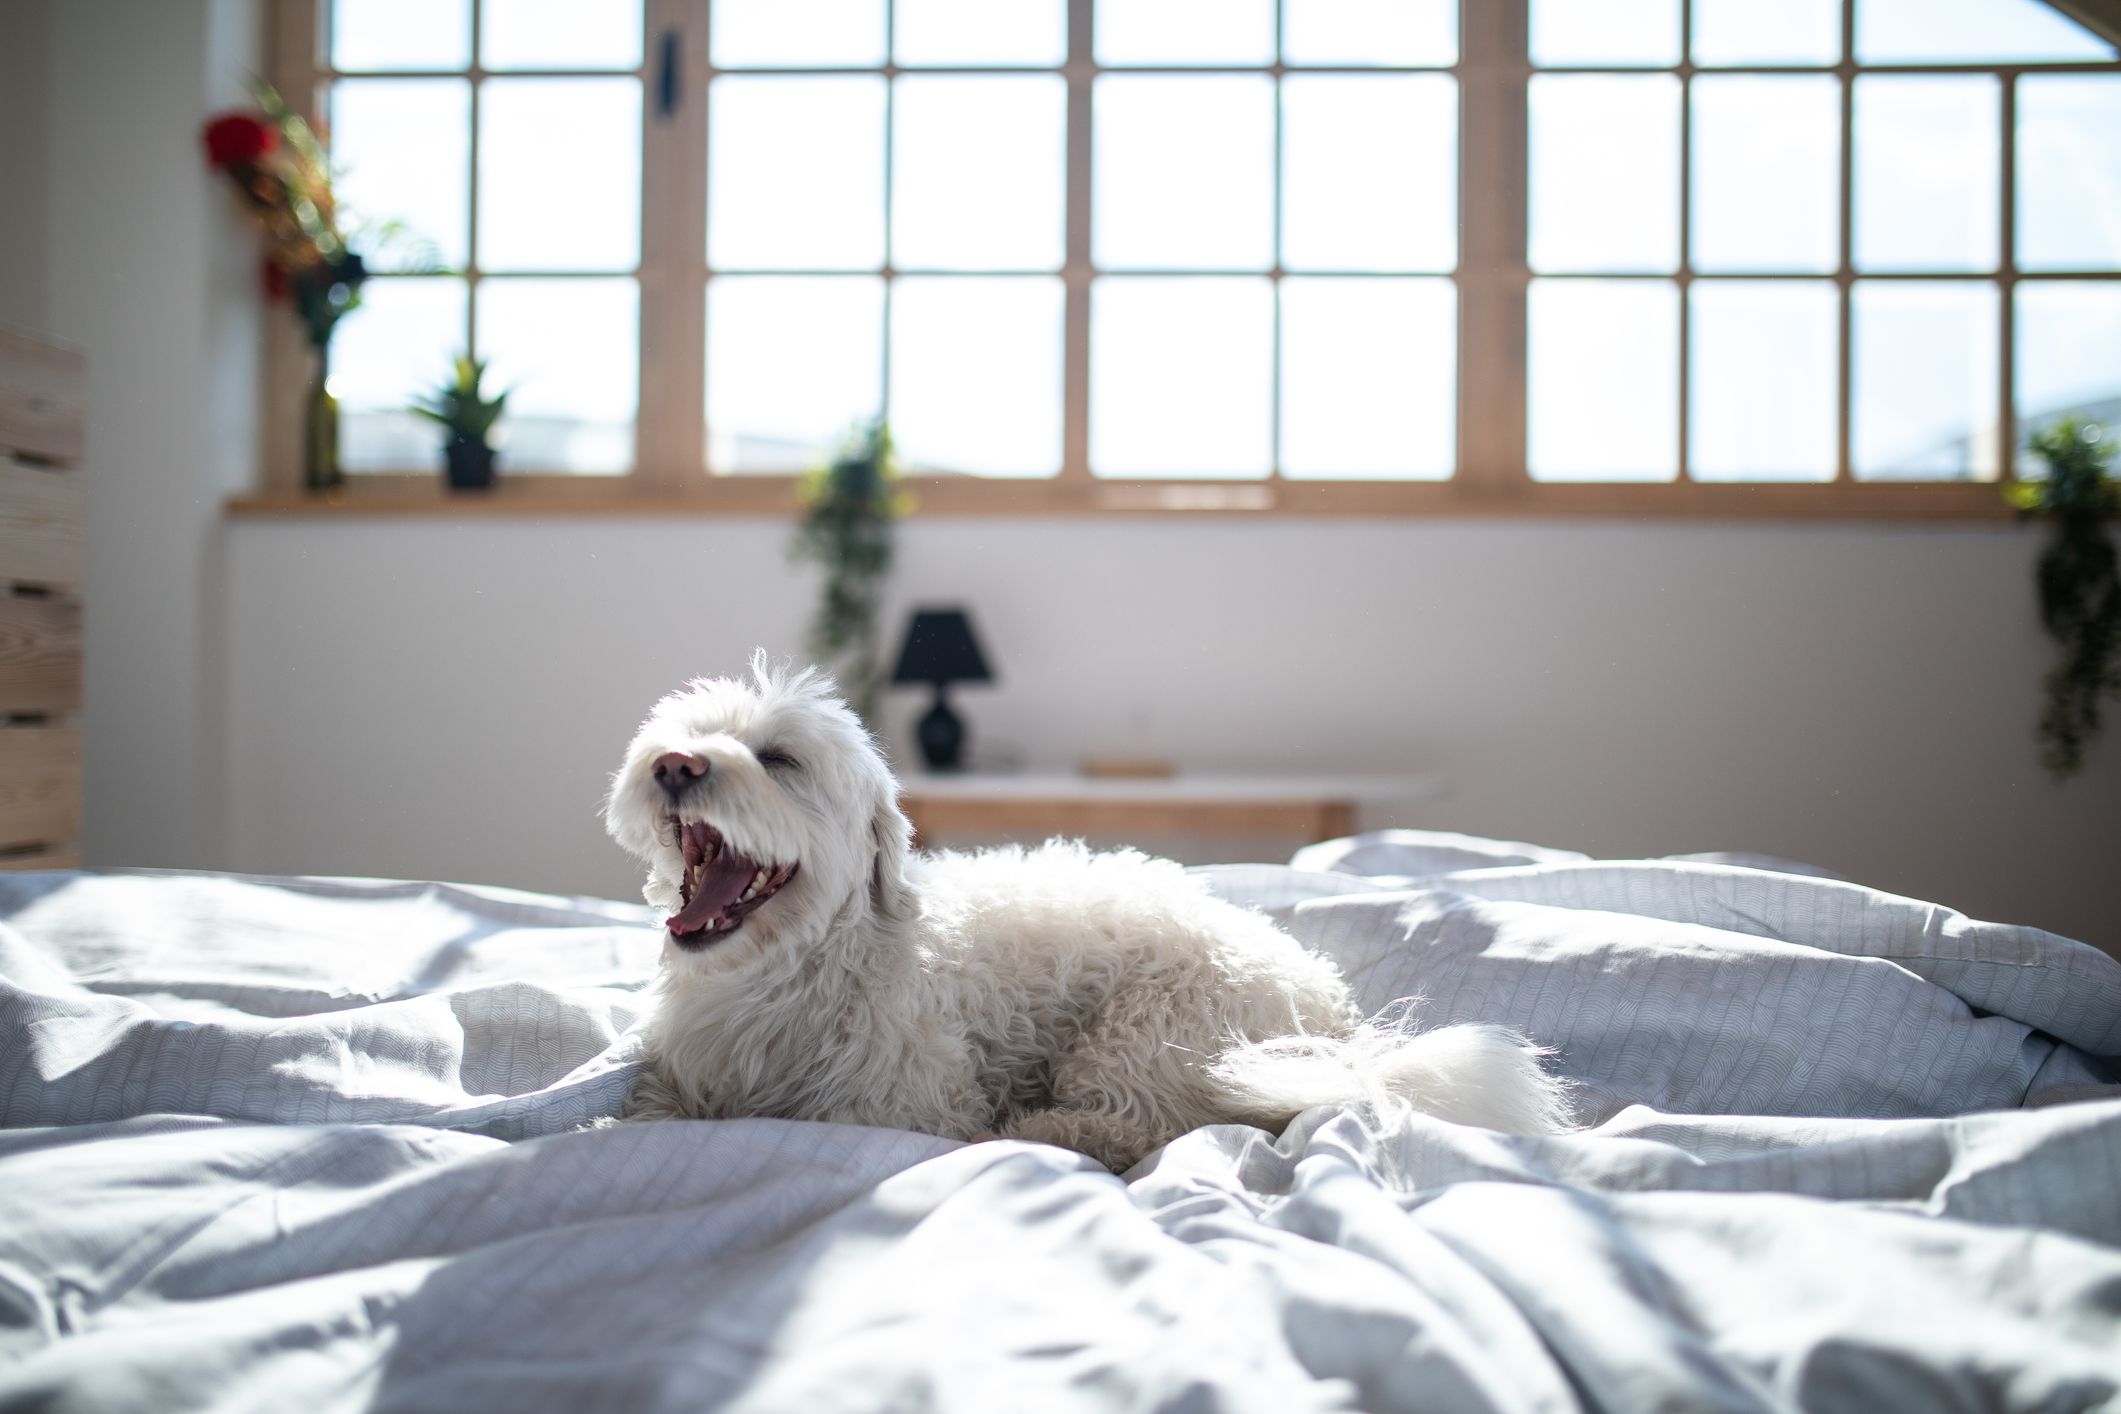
x=942, y=736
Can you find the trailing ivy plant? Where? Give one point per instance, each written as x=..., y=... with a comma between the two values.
x=2080, y=586
x=849, y=507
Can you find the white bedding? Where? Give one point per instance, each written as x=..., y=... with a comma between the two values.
x=309, y=1144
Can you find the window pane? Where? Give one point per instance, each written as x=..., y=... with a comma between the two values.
x=795, y=174
x=1370, y=173
x=559, y=174
x=792, y=364
x=1605, y=173
x=1767, y=163
x=403, y=147
x=1369, y=378
x=1924, y=380
x=1185, y=31
x=2069, y=172
x=2068, y=355
x=1407, y=32
x=976, y=375
x=1029, y=32
x=568, y=351
x=1602, y=380
x=979, y=173
x=1969, y=31
x=401, y=34
x=1641, y=33
x=1926, y=173
x=1781, y=32
x=1185, y=173
x=397, y=346
x=560, y=34
x=1181, y=377
x=1764, y=360
x=774, y=34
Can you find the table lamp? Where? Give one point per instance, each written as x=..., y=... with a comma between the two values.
x=940, y=648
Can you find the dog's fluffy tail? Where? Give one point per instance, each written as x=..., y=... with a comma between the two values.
x=1488, y=1076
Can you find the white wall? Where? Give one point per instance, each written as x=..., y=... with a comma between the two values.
x=147, y=269
x=24, y=161
x=446, y=698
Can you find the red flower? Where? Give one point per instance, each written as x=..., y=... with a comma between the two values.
x=238, y=139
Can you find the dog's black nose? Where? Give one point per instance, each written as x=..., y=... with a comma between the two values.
x=675, y=770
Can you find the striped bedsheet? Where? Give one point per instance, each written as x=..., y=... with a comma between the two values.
x=308, y=1143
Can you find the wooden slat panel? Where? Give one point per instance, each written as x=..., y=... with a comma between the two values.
x=40, y=525
x=40, y=654
x=40, y=785
x=42, y=859
x=43, y=399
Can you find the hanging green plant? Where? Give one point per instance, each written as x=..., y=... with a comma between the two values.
x=849, y=507
x=2080, y=586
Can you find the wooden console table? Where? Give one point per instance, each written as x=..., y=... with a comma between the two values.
x=1031, y=807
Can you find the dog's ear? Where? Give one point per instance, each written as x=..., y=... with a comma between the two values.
x=891, y=837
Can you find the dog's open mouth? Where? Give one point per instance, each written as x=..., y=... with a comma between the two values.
x=721, y=887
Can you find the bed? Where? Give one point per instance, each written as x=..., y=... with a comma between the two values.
x=332, y=1143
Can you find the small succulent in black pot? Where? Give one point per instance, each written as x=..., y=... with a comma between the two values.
x=469, y=415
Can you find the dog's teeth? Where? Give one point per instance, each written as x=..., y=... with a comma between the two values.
x=758, y=879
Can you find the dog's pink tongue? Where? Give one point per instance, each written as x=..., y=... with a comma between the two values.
x=723, y=883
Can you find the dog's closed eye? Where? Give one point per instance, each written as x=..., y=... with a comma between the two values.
x=774, y=759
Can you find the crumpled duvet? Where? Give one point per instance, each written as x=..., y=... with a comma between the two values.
x=320, y=1143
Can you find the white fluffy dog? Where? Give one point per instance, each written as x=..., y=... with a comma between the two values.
x=816, y=969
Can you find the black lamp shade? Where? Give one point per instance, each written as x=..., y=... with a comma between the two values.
x=940, y=648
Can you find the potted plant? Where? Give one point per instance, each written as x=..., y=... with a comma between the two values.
x=2079, y=584
x=469, y=415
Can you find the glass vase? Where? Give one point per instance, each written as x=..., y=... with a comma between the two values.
x=320, y=430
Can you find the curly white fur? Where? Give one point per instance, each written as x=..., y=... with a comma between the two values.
x=1105, y=1002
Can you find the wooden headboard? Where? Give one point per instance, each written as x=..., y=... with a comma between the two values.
x=43, y=403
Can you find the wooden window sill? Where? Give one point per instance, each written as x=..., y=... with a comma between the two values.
x=563, y=496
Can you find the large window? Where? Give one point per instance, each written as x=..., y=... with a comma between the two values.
x=1794, y=242
x=1315, y=254
x=505, y=143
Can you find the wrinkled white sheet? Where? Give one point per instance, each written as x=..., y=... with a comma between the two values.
x=317, y=1144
